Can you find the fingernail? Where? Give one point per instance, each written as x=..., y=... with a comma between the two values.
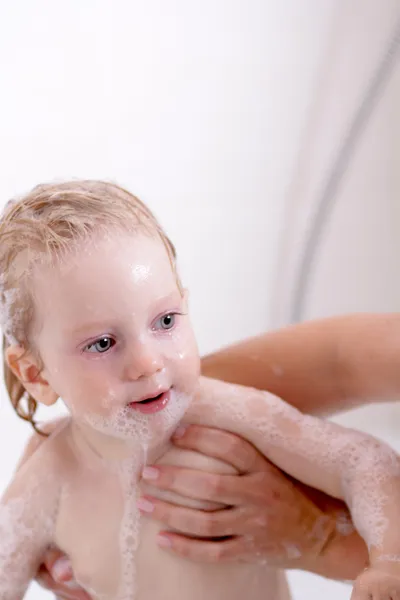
x=72, y=585
x=150, y=473
x=180, y=432
x=61, y=570
x=164, y=541
x=145, y=505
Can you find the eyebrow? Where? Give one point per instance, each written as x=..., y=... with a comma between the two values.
x=95, y=325
x=173, y=296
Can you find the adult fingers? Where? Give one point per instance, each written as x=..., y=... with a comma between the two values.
x=190, y=521
x=56, y=575
x=199, y=485
x=61, y=590
x=57, y=563
x=204, y=551
x=223, y=445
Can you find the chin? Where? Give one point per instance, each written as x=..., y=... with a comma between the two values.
x=165, y=422
x=148, y=428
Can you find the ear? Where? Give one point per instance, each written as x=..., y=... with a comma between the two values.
x=26, y=369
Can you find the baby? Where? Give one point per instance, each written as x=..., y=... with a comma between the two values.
x=95, y=314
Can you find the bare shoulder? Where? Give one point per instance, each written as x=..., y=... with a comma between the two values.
x=43, y=463
x=37, y=439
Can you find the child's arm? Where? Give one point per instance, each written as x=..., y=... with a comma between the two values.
x=342, y=463
x=27, y=516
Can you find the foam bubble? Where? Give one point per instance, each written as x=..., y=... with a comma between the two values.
x=128, y=424
x=389, y=558
x=20, y=532
x=362, y=464
x=144, y=432
x=129, y=534
x=10, y=315
x=292, y=551
x=344, y=524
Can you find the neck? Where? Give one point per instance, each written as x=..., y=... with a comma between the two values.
x=97, y=447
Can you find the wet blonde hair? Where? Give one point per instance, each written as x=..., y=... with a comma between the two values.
x=41, y=226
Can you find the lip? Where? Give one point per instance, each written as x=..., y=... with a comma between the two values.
x=154, y=406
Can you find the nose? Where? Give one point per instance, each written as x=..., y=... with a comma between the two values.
x=143, y=361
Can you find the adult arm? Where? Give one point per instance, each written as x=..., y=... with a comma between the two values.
x=321, y=366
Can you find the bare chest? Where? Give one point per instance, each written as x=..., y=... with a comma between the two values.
x=115, y=555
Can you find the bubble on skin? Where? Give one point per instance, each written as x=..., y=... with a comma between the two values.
x=344, y=525
x=389, y=558
x=129, y=535
x=140, y=273
x=258, y=558
x=277, y=370
x=8, y=307
x=320, y=530
x=18, y=525
x=292, y=551
x=254, y=357
x=12, y=530
x=145, y=431
x=126, y=423
x=359, y=457
x=108, y=400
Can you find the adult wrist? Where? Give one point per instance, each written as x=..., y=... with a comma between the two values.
x=316, y=539
x=342, y=557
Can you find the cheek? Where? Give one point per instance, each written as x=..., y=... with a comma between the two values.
x=83, y=387
x=186, y=362
x=92, y=395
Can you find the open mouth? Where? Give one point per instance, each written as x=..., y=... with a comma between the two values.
x=150, y=400
x=153, y=404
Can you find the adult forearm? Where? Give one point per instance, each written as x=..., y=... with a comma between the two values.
x=321, y=366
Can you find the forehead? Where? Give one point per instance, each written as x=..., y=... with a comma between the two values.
x=106, y=276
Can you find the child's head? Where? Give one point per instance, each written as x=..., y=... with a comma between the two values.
x=93, y=309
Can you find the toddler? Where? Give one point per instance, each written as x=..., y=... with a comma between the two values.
x=94, y=313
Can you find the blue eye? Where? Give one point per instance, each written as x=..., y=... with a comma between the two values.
x=101, y=345
x=167, y=321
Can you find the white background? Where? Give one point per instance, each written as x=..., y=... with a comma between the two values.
x=222, y=115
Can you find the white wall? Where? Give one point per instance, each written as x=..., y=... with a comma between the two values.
x=356, y=266
x=197, y=107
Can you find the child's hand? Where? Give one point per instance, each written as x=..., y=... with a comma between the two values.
x=376, y=584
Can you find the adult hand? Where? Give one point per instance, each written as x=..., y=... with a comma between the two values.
x=56, y=576
x=267, y=517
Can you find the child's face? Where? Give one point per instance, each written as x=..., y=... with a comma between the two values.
x=112, y=330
